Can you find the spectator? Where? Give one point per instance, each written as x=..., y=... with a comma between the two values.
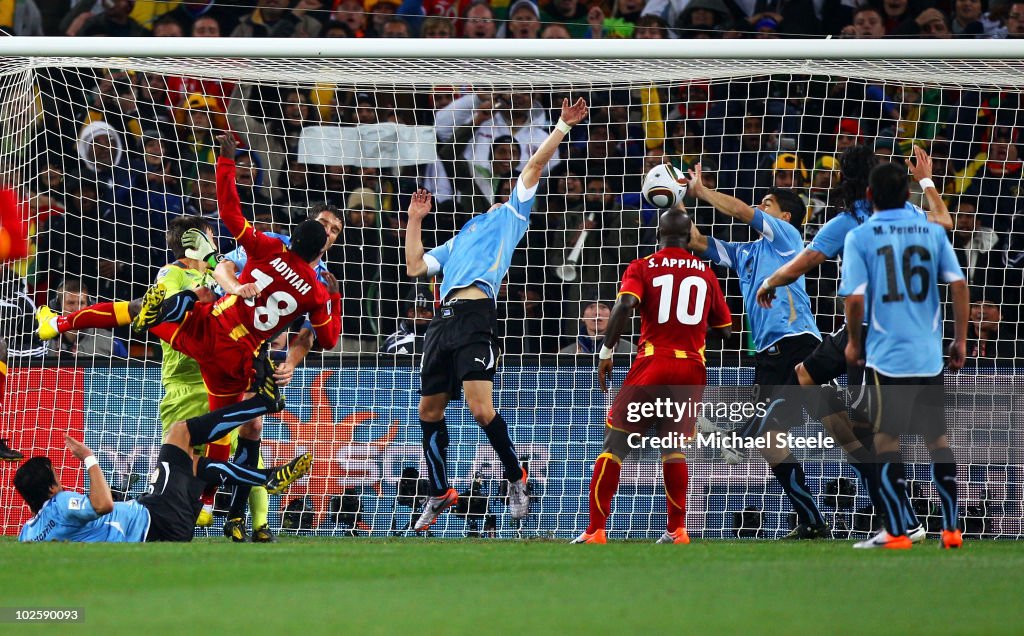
x=408, y=339
x=352, y=14
x=788, y=172
x=479, y=21
x=114, y=21
x=167, y=26
x=251, y=180
x=380, y=11
x=867, y=24
x=848, y=134
x=394, y=27
x=994, y=176
x=114, y=102
x=650, y=27
x=272, y=19
x=894, y=12
x=359, y=272
x=200, y=119
x=555, y=32
x=704, y=18
x=335, y=29
x=437, y=27
x=202, y=201
x=206, y=26
x=523, y=20
x=990, y=339
x=966, y=21
x=973, y=242
x=929, y=23
x=24, y=18
x=591, y=335
x=572, y=14
x=73, y=296
x=1015, y=21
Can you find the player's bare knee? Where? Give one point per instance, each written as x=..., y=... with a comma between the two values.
x=483, y=411
x=251, y=429
x=431, y=409
x=178, y=435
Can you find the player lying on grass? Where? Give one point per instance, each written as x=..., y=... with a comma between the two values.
x=460, y=349
x=892, y=267
x=783, y=335
x=168, y=510
x=828, y=361
x=680, y=302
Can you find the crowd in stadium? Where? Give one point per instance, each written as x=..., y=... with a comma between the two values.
x=121, y=152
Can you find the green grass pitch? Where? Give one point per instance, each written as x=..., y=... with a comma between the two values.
x=408, y=586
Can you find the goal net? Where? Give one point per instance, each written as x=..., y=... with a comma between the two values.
x=105, y=151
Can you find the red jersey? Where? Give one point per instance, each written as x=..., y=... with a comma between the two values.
x=679, y=299
x=288, y=285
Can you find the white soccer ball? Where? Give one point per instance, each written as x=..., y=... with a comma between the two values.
x=664, y=186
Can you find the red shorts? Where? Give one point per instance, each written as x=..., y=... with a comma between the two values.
x=226, y=364
x=659, y=391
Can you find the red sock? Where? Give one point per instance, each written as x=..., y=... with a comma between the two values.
x=216, y=452
x=98, y=316
x=677, y=477
x=603, y=485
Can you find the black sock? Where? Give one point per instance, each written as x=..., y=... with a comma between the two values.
x=435, y=450
x=892, y=492
x=865, y=464
x=790, y=475
x=247, y=454
x=497, y=435
x=229, y=473
x=174, y=308
x=944, y=478
x=216, y=424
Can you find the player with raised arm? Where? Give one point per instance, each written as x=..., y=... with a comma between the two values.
x=783, y=335
x=892, y=267
x=827, y=362
x=247, y=450
x=166, y=512
x=460, y=348
x=680, y=302
x=14, y=244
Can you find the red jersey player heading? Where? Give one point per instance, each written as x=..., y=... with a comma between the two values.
x=680, y=302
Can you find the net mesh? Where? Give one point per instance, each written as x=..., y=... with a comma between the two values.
x=105, y=152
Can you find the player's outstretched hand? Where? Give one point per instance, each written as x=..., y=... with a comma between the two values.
x=957, y=355
x=920, y=165
x=419, y=206
x=604, y=373
x=765, y=297
x=574, y=114
x=228, y=145
x=331, y=282
x=77, y=448
x=696, y=185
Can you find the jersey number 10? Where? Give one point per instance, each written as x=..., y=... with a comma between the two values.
x=278, y=304
x=693, y=291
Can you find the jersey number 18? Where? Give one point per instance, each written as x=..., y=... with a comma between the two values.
x=278, y=304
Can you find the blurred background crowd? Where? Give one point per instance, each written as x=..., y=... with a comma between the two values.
x=118, y=153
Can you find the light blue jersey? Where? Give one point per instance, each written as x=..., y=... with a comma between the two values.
x=895, y=260
x=68, y=516
x=790, y=314
x=830, y=238
x=481, y=253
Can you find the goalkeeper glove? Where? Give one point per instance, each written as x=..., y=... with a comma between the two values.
x=198, y=246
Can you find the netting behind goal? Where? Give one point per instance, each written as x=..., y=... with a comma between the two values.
x=105, y=152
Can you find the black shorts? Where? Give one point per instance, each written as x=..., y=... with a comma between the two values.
x=907, y=406
x=173, y=498
x=774, y=369
x=460, y=345
x=828, y=361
